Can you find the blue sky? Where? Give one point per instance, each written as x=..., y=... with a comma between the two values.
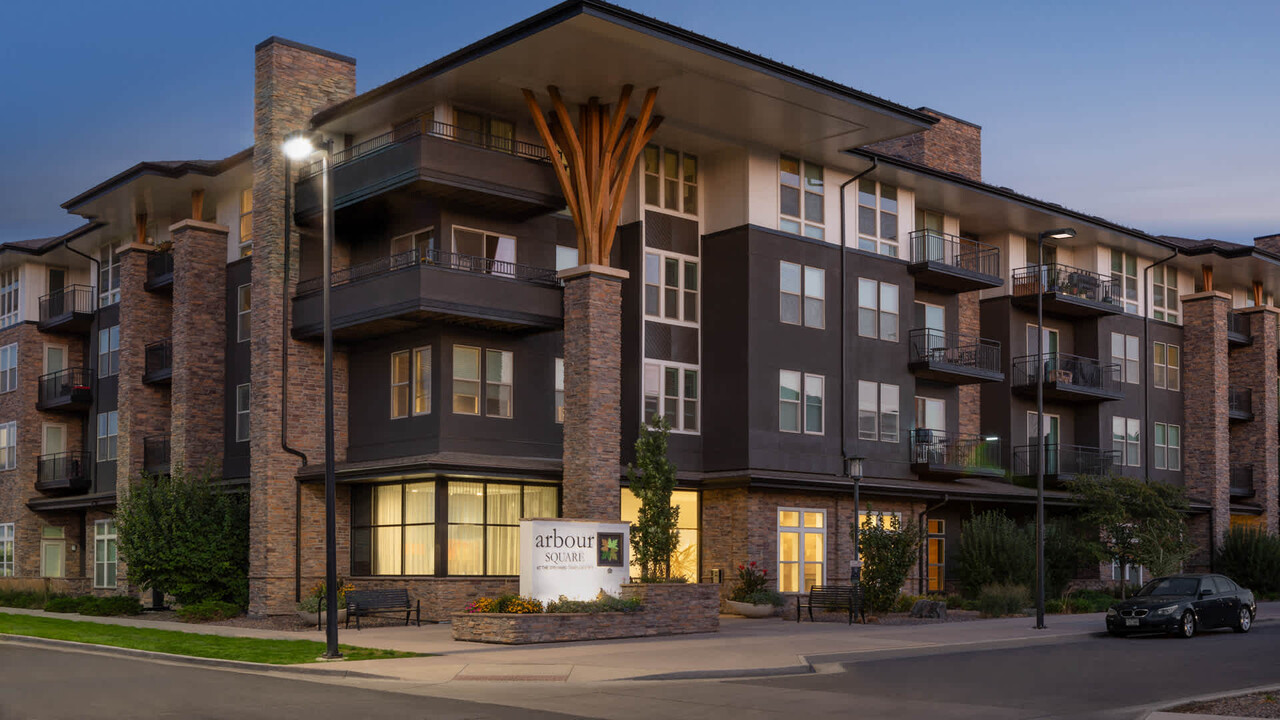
x=1159, y=115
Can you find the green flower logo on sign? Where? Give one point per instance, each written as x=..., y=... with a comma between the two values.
x=610, y=549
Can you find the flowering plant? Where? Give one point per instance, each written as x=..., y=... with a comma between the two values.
x=504, y=604
x=753, y=586
x=314, y=600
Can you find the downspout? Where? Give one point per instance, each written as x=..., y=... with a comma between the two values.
x=96, y=265
x=1146, y=342
x=924, y=538
x=844, y=353
x=284, y=380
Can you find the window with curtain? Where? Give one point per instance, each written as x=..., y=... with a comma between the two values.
x=497, y=383
x=877, y=309
x=878, y=411
x=559, y=389
x=466, y=380
x=801, y=198
x=1167, y=366
x=484, y=252
x=1125, y=440
x=1124, y=355
x=802, y=549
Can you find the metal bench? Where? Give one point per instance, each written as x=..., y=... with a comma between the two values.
x=382, y=602
x=831, y=598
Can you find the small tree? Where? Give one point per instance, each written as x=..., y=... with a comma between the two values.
x=1251, y=557
x=183, y=536
x=654, y=535
x=888, y=548
x=994, y=550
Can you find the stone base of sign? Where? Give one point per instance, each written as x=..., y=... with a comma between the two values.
x=669, y=609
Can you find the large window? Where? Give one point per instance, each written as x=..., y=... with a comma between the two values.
x=878, y=411
x=1125, y=440
x=10, y=298
x=684, y=562
x=485, y=252
x=802, y=549
x=1124, y=355
x=109, y=351
x=9, y=368
x=558, y=379
x=1168, y=447
x=800, y=402
x=244, y=304
x=394, y=526
x=802, y=295
x=242, y=413
x=801, y=200
x=108, y=428
x=1164, y=294
x=671, y=180
x=877, y=218
x=246, y=222
x=109, y=274
x=8, y=445
x=498, y=373
x=877, y=309
x=1124, y=279
x=411, y=382
x=671, y=390
x=104, y=554
x=1167, y=360
x=670, y=286
x=6, y=550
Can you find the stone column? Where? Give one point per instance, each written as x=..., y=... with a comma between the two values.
x=199, y=344
x=144, y=319
x=592, y=391
x=1256, y=442
x=1206, y=441
x=969, y=396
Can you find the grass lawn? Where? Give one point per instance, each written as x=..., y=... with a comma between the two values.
x=274, y=652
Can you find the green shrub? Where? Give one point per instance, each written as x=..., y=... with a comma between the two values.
x=993, y=550
x=1088, y=601
x=888, y=554
x=763, y=596
x=1251, y=557
x=998, y=600
x=1065, y=554
x=604, y=602
x=1056, y=606
x=208, y=611
x=956, y=601
x=904, y=602
x=64, y=604
x=110, y=606
x=24, y=599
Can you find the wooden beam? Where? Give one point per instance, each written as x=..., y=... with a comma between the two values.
x=1206, y=276
x=140, y=222
x=1257, y=293
x=197, y=204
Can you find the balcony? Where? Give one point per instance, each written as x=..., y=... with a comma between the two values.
x=402, y=291
x=68, y=310
x=940, y=455
x=1242, y=480
x=1066, y=377
x=953, y=358
x=953, y=264
x=69, y=390
x=158, y=363
x=1239, y=404
x=1066, y=291
x=1065, y=462
x=486, y=173
x=1238, y=329
x=155, y=455
x=63, y=473
x=159, y=272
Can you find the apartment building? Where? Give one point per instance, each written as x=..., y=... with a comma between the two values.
x=812, y=274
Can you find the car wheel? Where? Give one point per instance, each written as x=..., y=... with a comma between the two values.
x=1245, y=621
x=1187, y=628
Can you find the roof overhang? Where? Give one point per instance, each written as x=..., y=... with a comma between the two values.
x=147, y=175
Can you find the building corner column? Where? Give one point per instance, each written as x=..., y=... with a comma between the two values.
x=199, y=345
x=1207, y=469
x=145, y=318
x=1255, y=367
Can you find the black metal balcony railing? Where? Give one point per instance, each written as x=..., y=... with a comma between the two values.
x=157, y=358
x=966, y=351
x=1242, y=479
x=945, y=449
x=159, y=268
x=63, y=472
x=423, y=126
x=1239, y=329
x=65, y=387
x=958, y=252
x=1071, y=372
x=1065, y=460
x=1064, y=280
x=155, y=454
x=70, y=300
x=1240, y=403
x=435, y=258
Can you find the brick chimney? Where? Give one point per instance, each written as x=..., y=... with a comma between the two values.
x=952, y=145
x=1269, y=243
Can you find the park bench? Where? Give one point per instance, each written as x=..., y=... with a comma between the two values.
x=832, y=598
x=382, y=602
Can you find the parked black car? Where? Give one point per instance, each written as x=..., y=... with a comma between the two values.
x=1182, y=604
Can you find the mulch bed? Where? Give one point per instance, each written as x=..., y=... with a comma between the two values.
x=1257, y=705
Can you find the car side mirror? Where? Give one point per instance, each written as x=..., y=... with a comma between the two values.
x=1206, y=593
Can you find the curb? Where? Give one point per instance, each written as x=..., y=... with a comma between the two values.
x=783, y=671
x=1165, y=707
x=187, y=659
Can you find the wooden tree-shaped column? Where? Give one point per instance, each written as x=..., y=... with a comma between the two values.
x=594, y=164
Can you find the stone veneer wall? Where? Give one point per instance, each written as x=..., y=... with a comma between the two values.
x=291, y=82
x=144, y=319
x=1256, y=441
x=952, y=145
x=669, y=609
x=970, y=396
x=1206, y=440
x=199, y=344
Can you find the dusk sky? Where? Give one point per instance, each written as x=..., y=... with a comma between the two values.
x=1159, y=115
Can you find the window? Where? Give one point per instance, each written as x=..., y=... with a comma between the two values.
x=1164, y=294
x=10, y=298
x=9, y=445
x=411, y=382
x=937, y=554
x=566, y=257
x=242, y=413
x=877, y=309
x=497, y=383
x=877, y=218
x=671, y=180
x=53, y=552
x=108, y=427
x=1168, y=447
x=485, y=252
x=670, y=286
x=9, y=368
x=559, y=389
x=802, y=294
x=1168, y=366
x=246, y=222
x=799, y=412
x=6, y=550
x=466, y=380
x=244, y=303
x=423, y=242
x=109, y=274
x=485, y=131
x=802, y=549
x=671, y=390
x=401, y=384
x=931, y=414
x=1124, y=355
x=880, y=519
x=684, y=562
x=498, y=372
x=109, y=351
x=1124, y=279
x=422, y=380
x=878, y=413
x=393, y=529
x=801, y=198
x=104, y=554
x=1125, y=440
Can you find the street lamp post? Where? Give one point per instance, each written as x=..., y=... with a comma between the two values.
x=1058, y=234
x=853, y=469
x=300, y=146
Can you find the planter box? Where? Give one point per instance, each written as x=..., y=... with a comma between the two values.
x=669, y=609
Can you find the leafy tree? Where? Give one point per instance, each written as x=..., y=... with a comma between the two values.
x=184, y=536
x=654, y=535
x=993, y=550
x=1251, y=557
x=888, y=548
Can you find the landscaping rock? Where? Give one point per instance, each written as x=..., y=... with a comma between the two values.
x=929, y=609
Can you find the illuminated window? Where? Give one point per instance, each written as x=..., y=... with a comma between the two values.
x=937, y=551
x=685, y=561
x=559, y=389
x=671, y=179
x=246, y=222
x=1167, y=361
x=802, y=549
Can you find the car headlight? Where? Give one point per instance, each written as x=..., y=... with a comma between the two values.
x=1111, y=611
x=1166, y=610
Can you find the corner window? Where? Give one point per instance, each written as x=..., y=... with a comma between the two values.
x=671, y=390
x=108, y=428
x=1124, y=279
x=802, y=549
x=1164, y=294
x=671, y=180
x=6, y=550
x=1167, y=366
x=559, y=389
x=1124, y=355
x=877, y=218
x=411, y=247
x=877, y=310
x=878, y=411
x=670, y=286
x=800, y=402
x=801, y=198
x=1125, y=440
x=10, y=297
x=244, y=303
x=104, y=554
x=802, y=295
x=246, y=222
x=109, y=274
x=1168, y=447
x=9, y=445
x=109, y=351
x=9, y=368
x=242, y=413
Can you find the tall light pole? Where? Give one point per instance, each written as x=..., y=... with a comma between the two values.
x=853, y=469
x=300, y=146
x=1041, y=440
